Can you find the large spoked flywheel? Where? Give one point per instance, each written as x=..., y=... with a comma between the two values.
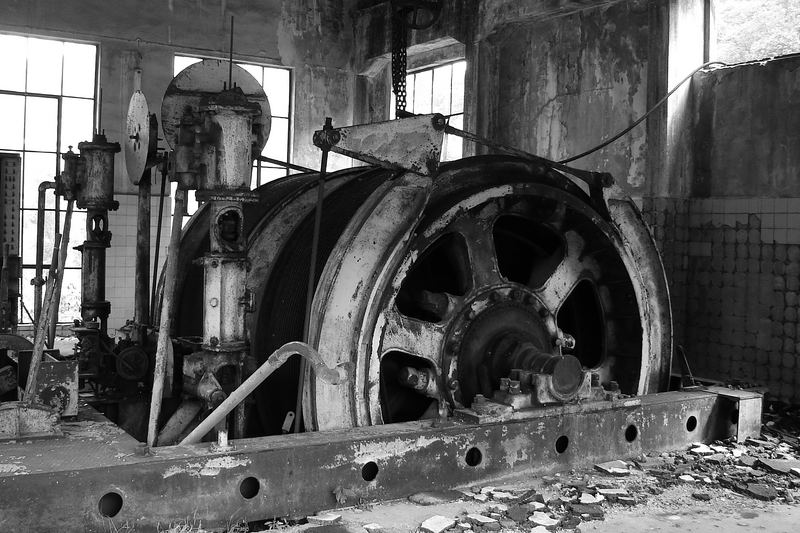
x=433, y=289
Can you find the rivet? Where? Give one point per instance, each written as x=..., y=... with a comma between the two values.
x=213, y=302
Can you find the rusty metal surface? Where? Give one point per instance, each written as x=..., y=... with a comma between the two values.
x=413, y=143
x=56, y=383
x=200, y=80
x=295, y=475
x=20, y=420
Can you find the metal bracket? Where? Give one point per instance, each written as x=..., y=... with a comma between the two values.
x=413, y=144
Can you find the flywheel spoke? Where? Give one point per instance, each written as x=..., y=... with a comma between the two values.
x=412, y=336
x=478, y=236
x=567, y=273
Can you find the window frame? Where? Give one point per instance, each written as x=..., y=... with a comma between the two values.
x=52, y=208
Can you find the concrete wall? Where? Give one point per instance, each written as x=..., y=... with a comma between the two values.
x=313, y=37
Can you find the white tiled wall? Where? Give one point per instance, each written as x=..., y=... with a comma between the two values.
x=121, y=257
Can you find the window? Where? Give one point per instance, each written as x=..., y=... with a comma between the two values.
x=277, y=84
x=47, y=90
x=438, y=90
x=749, y=30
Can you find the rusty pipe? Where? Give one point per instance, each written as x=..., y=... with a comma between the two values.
x=141, y=302
x=334, y=376
x=162, y=349
x=38, y=281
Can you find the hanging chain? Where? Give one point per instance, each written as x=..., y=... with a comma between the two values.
x=399, y=65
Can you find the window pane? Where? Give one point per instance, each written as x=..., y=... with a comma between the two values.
x=77, y=234
x=459, y=70
x=441, y=89
x=181, y=62
x=44, y=66
x=12, y=109
x=256, y=71
x=277, y=86
x=410, y=85
x=70, y=305
x=27, y=295
x=267, y=174
x=37, y=168
x=77, y=122
x=453, y=144
x=277, y=144
x=422, y=92
x=12, y=62
x=28, y=244
x=79, y=74
x=41, y=123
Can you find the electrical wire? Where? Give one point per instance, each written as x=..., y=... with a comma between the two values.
x=647, y=114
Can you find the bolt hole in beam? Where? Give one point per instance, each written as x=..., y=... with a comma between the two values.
x=691, y=423
x=249, y=488
x=631, y=432
x=562, y=443
x=110, y=504
x=369, y=471
x=474, y=457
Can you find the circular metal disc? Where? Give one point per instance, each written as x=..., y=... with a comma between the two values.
x=205, y=78
x=137, y=136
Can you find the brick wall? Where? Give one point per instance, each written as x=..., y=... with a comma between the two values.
x=734, y=270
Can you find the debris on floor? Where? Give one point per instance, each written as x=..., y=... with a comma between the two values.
x=766, y=469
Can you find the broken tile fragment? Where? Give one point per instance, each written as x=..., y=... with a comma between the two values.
x=437, y=524
x=481, y=497
x=499, y=507
x=701, y=449
x=481, y=519
x=464, y=525
x=487, y=490
x=594, y=511
x=761, y=491
x=627, y=500
x=325, y=519
x=702, y=496
x=795, y=471
x=502, y=495
x=537, y=506
x=518, y=513
x=539, y=529
x=687, y=478
x=613, y=492
x=542, y=519
x=781, y=466
x=587, y=498
x=614, y=468
x=373, y=527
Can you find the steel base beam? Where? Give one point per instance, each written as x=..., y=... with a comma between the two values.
x=296, y=475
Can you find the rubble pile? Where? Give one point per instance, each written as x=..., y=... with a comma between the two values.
x=766, y=469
